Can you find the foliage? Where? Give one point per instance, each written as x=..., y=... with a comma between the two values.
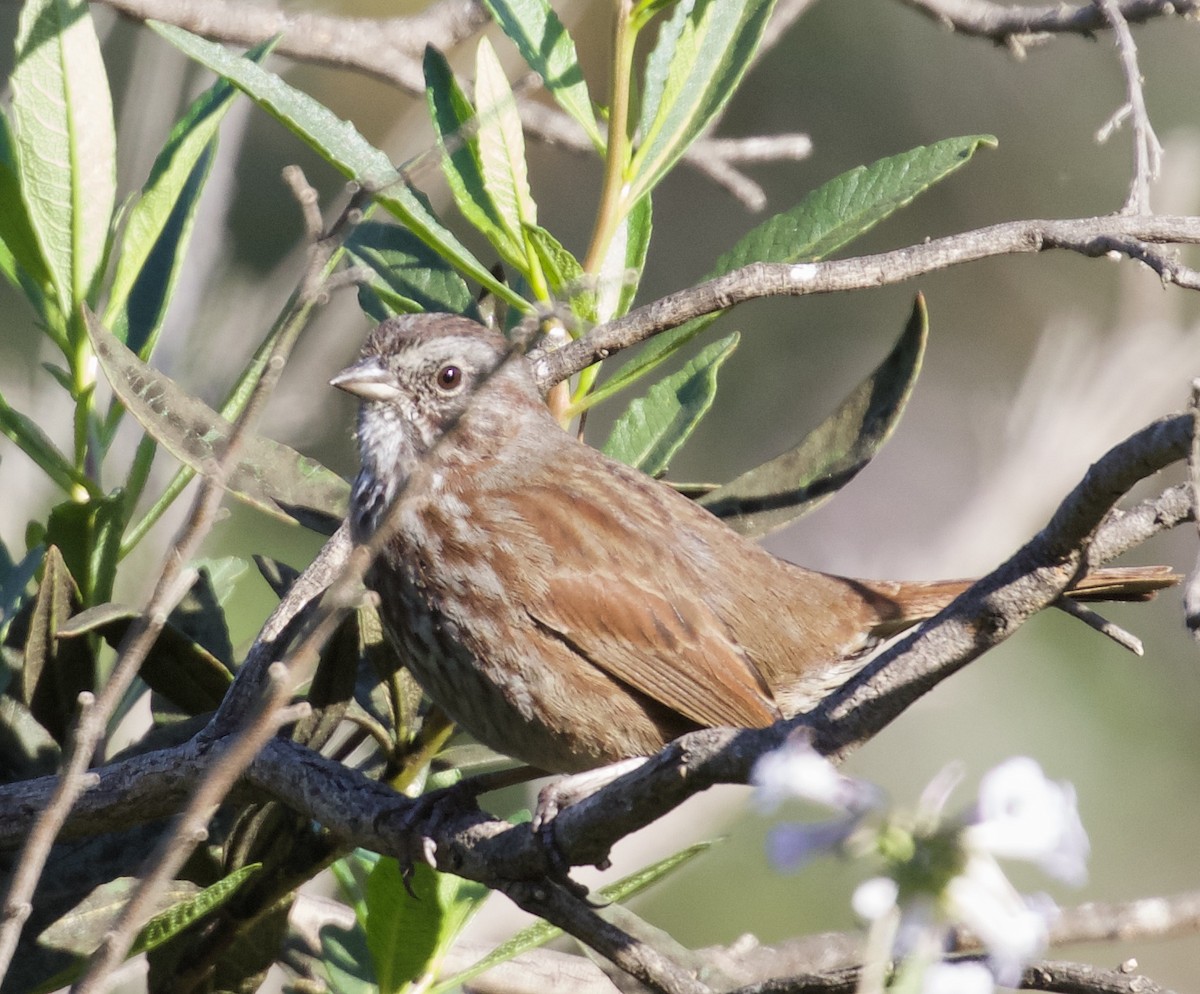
x=99, y=279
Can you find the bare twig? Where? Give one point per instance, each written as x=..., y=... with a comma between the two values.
x=1147, y=150
x=1079, y=978
x=1017, y=26
x=1093, y=619
x=1191, y=593
x=390, y=49
x=1131, y=235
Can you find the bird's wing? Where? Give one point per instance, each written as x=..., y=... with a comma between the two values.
x=645, y=624
x=676, y=653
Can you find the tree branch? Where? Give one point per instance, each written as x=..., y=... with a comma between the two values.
x=1018, y=26
x=1129, y=235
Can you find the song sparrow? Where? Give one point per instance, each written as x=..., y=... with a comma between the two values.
x=568, y=610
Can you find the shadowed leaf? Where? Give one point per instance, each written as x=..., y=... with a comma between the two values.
x=159, y=222
x=269, y=475
x=88, y=533
x=177, y=667
x=56, y=671
x=794, y=483
x=410, y=276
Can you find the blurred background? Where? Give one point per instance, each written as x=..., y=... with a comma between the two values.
x=1036, y=366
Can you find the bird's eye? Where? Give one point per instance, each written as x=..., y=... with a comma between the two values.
x=449, y=377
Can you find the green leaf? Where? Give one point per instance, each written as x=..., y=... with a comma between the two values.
x=456, y=125
x=340, y=144
x=22, y=259
x=408, y=933
x=851, y=204
x=62, y=112
x=268, y=475
x=55, y=671
x=177, y=666
x=544, y=43
x=540, y=933
x=651, y=431
x=35, y=444
x=83, y=928
x=89, y=535
x=410, y=276
x=801, y=479
x=346, y=961
x=159, y=223
x=704, y=49
x=501, y=144
x=564, y=275
x=826, y=219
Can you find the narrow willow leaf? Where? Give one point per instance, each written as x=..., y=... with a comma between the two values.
x=410, y=928
x=88, y=533
x=55, y=670
x=455, y=122
x=540, y=933
x=177, y=666
x=159, y=222
x=83, y=928
x=502, y=148
x=35, y=444
x=408, y=269
x=651, y=431
x=564, y=275
x=62, y=111
x=23, y=256
x=801, y=479
x=340, y=144
x=544, y=43
x=851, y=204
x=826, y=219
x=711, y=44
x=269, y=475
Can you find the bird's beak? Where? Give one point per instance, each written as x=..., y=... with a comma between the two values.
x=366, y=379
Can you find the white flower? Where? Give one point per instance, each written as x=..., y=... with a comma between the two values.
x=1012, y=929
x=875, y=898
x=1021, y=814
x=796, y=771
x=958, y=978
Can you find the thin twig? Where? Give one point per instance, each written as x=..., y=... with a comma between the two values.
x=1132, y=235
x=1191, y=592
x=1093, y=619
x=1147, y=150
x=1016, y=26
